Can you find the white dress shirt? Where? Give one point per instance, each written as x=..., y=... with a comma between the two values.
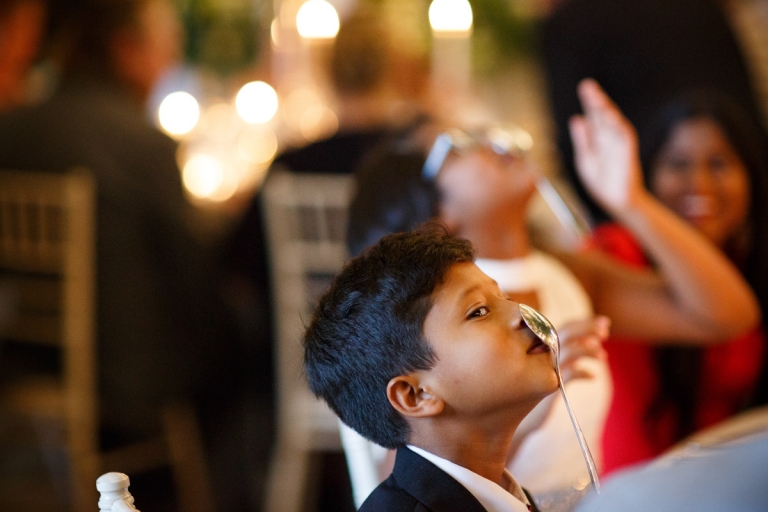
x=492, y=496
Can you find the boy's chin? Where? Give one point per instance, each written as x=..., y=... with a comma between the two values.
x=554, y=385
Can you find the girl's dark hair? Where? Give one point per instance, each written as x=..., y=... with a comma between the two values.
x=680, y=367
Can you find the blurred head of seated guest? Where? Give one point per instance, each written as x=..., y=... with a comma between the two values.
x=704, y=161
x=22, y=23
x=377, y=69
x=469, y=180
x=128, y=42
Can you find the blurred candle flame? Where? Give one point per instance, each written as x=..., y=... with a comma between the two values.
x=178, y=113
x=451, y=16
x=256, y=102
x=317, y=19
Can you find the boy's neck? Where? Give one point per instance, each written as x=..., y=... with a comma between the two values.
x=476, y=449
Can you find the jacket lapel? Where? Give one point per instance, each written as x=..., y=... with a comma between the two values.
x=431, y=485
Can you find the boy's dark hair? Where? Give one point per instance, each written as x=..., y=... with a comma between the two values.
x=367, y=328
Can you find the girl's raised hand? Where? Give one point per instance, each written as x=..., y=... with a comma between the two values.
x=606, y=150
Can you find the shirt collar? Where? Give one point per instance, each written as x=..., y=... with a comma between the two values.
x=491, y=496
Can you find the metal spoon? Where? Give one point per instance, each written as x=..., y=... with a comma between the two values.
x=546, y=332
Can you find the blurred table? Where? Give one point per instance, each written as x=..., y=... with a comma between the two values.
x=722, y=468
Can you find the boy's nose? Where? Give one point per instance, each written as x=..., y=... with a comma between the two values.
x=515, y=319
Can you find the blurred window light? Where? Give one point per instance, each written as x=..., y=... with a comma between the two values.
x=257, y=145
x=202, y=176
x=256, y=102
x=178, y=113
x=317, y=19
x=453, y=16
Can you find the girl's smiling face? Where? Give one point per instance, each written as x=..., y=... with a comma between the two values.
x=488, y=361
x=700, y=176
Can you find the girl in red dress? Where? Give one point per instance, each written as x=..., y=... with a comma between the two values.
x=705, y=161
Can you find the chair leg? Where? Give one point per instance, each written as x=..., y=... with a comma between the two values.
x=85, y=470
x=288, y=479
x=186, y=450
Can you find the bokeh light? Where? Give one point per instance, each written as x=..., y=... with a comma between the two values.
x=227, y=187
x=220, y=123
x=317, y=19
x=256, y=102
x=299, y=101
x=178, y=113
x=257, y=144
x=452, y=16
x=202, y=176
x=318, y=121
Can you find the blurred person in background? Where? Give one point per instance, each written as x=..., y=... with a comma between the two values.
x=380, y=79
x=703, y=158
x=381, y=87
x=644, y=53
x=22, y=24
x=164, y=336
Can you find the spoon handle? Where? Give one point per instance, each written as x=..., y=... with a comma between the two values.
x=591, y=468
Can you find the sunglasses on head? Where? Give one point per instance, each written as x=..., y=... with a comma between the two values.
x=503, y=140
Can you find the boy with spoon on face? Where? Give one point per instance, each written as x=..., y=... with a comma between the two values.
x=693, y=294
x=418, y=350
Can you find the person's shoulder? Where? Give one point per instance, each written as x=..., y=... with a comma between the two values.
x=339, y=154
x=390, y=497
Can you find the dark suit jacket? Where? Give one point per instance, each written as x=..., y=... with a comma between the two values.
x=418, y=485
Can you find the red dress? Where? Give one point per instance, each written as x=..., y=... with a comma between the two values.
x=730, y=372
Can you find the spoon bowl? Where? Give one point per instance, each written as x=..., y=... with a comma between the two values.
x=545, y=331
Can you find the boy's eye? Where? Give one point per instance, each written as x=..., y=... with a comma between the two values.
x=479, y=312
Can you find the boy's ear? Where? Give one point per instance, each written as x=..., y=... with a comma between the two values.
x=410, y=399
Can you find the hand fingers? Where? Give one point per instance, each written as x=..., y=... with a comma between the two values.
x=584, y=346
x=598, y=326
x=584, y=338
x=582, y=147
x=601, y=112
x=593, y=97
x=572, y=373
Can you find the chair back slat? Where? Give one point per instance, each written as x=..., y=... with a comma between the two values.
x=47, y=259
x=306, y=217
